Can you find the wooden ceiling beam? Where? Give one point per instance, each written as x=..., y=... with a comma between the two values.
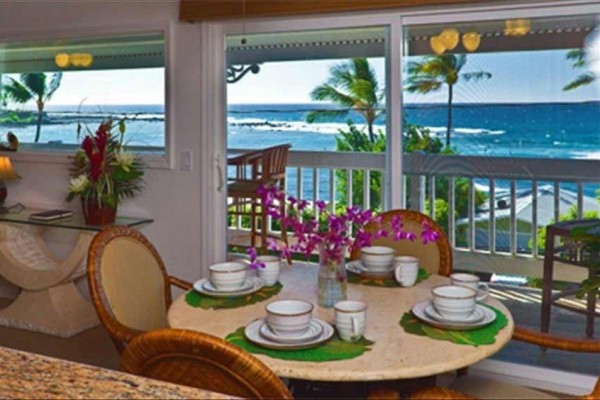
x=197, y=10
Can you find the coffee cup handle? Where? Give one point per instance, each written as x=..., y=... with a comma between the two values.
x=397, y=272
x=484, y=286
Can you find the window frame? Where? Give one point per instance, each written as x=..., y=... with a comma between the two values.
x=61, y=156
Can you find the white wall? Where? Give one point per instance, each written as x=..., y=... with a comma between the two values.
x=171, y=197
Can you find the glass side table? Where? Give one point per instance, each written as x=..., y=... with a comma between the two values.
x=48, y=301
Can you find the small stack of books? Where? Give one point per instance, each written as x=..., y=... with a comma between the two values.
x=50, y=215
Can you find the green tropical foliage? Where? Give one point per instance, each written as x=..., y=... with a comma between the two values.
x=33, y=86
x=578, y=59
x=433, y=72
x=354, y=86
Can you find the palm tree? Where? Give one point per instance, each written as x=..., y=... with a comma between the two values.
x=354, y=86
x=577, y=56
x=433, y=72
x=33, y=86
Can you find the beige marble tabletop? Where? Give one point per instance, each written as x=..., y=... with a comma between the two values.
x=395, y=354
x=31, y=376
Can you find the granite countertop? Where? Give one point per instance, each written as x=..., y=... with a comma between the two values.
x=32, y=376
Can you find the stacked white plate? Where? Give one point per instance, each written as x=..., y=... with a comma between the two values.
x=359, y=268
x=251, y=285
x=480, y=317
x=259, y=332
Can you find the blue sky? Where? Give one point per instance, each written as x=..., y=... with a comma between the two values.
x=517, y=77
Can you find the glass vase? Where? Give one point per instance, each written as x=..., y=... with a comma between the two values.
x=333, y=280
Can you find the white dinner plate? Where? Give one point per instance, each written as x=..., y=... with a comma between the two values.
x=208, y=286
x=315, y=329
x=253, y=334
x=476, y=316
x=256, y=285
x=418, y=311
x=358, y=268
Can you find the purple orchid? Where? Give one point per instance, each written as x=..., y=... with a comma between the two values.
x=327, y=232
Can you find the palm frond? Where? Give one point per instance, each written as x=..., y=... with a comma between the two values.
x=54, y=84
x=476, y=76
x=330, y=93
x=581, y=80
x=35, y=82
x=323, y=115
x=17, y=92
x=577, y=56
x=422, y=85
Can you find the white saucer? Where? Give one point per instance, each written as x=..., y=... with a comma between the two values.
x=209, y=287
x=253, y=334
x=315, y=329
x=476, y=316
x=358, y=268
x=255, y=285
x=418, y=311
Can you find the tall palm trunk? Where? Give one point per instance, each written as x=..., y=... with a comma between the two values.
x=40, y=107
x=449, y=128
x=371, y=133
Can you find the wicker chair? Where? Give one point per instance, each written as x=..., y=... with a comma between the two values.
x=469, y=387
x=128, y=283
x=203, y=361
x=434, y=257
x=266, y=168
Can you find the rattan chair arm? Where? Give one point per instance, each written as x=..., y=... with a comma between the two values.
x=438, y=392
x=556, y=342
x=180, y=283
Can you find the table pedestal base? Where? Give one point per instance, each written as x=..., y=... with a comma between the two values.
x=58, y=310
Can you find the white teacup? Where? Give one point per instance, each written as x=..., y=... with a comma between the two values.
x=406, y=269
x=377, y=258
x=289, y=318
x=454, y=303
x=228, y=276
x=470, y=281
x=350, y=319
x=270, y=273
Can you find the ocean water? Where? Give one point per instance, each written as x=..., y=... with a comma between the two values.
x=557, y=130
x=566, y=130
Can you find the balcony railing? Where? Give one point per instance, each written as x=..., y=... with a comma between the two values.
x=518, y=192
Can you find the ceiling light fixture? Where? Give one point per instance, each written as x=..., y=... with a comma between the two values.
x=437, y=45
x=471, y=41
x=450, y=38
x=517, y=27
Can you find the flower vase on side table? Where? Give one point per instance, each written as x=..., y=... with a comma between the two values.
x=98, y=214
x=333, y=279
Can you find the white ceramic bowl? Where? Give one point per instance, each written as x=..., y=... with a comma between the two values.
x=454, y=303
x=228, y=276
x=270, y=273
x=462, y=279
x=377, y=258
x=289, y=318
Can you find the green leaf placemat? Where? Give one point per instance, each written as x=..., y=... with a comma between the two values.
x=475, y=337
x=196, y=299
x=383, y=282
x=333, y=350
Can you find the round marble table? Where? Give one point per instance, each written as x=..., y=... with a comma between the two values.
x=395, y=354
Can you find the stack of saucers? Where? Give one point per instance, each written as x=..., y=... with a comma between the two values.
x=289, y=325
x=454, y=307
x=228, y=279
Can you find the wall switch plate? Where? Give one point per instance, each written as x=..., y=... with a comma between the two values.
x=185, y=160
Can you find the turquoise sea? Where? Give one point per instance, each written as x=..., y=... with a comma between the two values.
x=554, y=130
